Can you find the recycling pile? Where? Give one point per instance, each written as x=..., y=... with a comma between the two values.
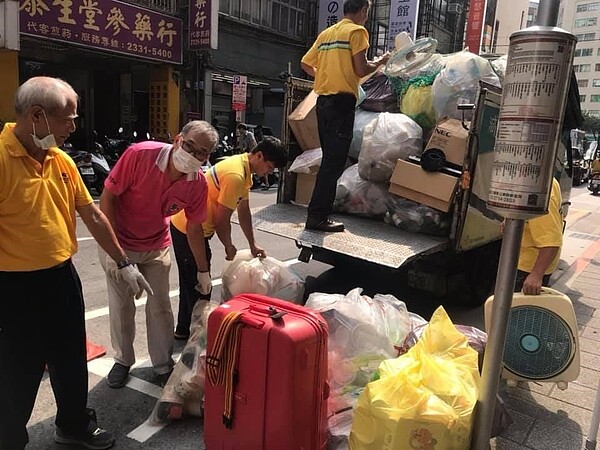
x=402, y=106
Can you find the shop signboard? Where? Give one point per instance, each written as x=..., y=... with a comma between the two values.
x=107, y=25
x=330, y=13
x=203, y=22
x=474, y=29
x=403, y=17
x=238, y=94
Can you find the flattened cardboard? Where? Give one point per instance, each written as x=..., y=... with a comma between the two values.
x=305, y=184
x=303, y=122
x=433, y=189
x=451, y=137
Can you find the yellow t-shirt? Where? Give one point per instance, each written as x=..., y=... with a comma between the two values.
x=37, y=206
x=229, y=182
x=543, y=231
x=332, y=55
x=596, y=165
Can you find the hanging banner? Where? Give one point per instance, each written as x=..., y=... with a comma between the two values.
x=474, y=29
x=203, y=21
x=239, y=92
x=403, y=17
x=107, y=25
x=330, y=13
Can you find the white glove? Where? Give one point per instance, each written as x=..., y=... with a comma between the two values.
x=135, y=280
x=204, y=285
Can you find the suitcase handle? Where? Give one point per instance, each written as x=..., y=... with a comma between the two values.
x=252, y=322
x=268, y=311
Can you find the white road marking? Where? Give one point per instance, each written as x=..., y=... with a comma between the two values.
x=81, y=239
x=145, y=431
x=101, y=312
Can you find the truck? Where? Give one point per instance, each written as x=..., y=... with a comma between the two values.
x=459, y=268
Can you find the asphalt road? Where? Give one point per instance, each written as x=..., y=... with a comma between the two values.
x=124, y=411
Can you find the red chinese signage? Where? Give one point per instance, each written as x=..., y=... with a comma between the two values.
x=107, y=25
x=203, y=24
x=475, y=25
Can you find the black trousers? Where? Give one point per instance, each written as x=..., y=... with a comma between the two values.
x=521, y=276
x=335, y=118
x=188, y=278
x=41, y=323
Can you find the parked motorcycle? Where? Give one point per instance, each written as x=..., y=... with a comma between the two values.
x=594, y=183
x=83, y=161
x=100, y=165
x=114, y=147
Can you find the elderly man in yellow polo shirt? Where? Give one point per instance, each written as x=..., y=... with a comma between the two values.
x=42, y=321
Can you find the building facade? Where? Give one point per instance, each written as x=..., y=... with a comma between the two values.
x=581, y=17
x=511, y=16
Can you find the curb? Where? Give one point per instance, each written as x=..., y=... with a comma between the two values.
x=567, y=279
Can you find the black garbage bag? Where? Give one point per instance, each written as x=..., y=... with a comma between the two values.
x=379, y=95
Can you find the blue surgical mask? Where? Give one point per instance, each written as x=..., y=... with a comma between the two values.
x=45, y=143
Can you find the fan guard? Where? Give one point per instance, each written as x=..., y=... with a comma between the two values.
x=539, y=343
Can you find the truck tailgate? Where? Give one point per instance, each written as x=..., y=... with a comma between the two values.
x=364, y=239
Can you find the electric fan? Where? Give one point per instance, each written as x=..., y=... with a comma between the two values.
x=541, y=338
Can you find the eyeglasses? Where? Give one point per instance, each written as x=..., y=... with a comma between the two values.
x=199, y=153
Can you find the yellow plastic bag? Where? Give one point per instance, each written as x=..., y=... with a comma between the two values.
x=417, y=103
x=424, y=399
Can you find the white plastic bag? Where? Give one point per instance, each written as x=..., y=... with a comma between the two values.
x=458, y=83
x=266, y=276
x=305, y=160
x=392, y=136
x=357, y=196
x=361, y=119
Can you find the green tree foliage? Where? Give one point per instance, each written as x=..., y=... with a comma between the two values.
x=591, y=124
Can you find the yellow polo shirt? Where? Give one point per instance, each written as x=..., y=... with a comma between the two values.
x=332, y=55
x=543, y=231
x=229, y=182
x=37, y=206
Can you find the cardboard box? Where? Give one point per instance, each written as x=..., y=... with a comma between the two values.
x=433, y=189
x=303, y=122
x=451, y=137
x=305, y=184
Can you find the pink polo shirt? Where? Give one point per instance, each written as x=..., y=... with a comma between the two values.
x=147, y=197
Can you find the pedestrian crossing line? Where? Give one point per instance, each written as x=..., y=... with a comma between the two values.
x=145, y=431
x=101, y=312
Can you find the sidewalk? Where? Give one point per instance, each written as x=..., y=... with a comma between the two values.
x=544, y=417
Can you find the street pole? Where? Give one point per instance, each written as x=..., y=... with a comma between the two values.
x=528, y=133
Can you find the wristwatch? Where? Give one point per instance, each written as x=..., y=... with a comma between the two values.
x=121, y=264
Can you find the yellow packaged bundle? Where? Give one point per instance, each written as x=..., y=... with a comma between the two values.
x=424, y=399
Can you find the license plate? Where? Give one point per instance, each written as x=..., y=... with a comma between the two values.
x=87, y=171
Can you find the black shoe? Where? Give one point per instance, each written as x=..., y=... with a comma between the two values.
x=163, y=378
x=117, y=377
x=327, y=225
x=97, y=439
x=180, y=334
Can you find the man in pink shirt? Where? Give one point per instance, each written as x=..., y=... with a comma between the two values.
x=151, y=182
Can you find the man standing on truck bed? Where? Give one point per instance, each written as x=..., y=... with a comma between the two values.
x=337, y=60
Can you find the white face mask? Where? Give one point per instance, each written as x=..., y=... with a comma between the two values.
x=184, y=162
x=47, y=142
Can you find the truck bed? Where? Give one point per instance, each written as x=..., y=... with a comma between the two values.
x=364, y=239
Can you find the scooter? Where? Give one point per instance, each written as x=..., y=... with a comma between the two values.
x=83, y=161
x=100, y=165
x=594, y=183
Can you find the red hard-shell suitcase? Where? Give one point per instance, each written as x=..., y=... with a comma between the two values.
x=278, y=385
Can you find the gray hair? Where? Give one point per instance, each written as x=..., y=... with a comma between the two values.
x=201, y=127
x=52, y=94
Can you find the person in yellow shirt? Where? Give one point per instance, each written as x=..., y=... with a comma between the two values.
x=43, y=323
x=596, y=165
x=337, y=60
x=229, y=183
x=540, y=246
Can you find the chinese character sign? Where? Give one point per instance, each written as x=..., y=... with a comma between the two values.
x=238, y=94
x=203, y=24
x=330, y=13
x=403, y=17
x=475, y=25
x=107, y=25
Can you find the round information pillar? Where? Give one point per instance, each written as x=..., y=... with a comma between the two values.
x=534, y=94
